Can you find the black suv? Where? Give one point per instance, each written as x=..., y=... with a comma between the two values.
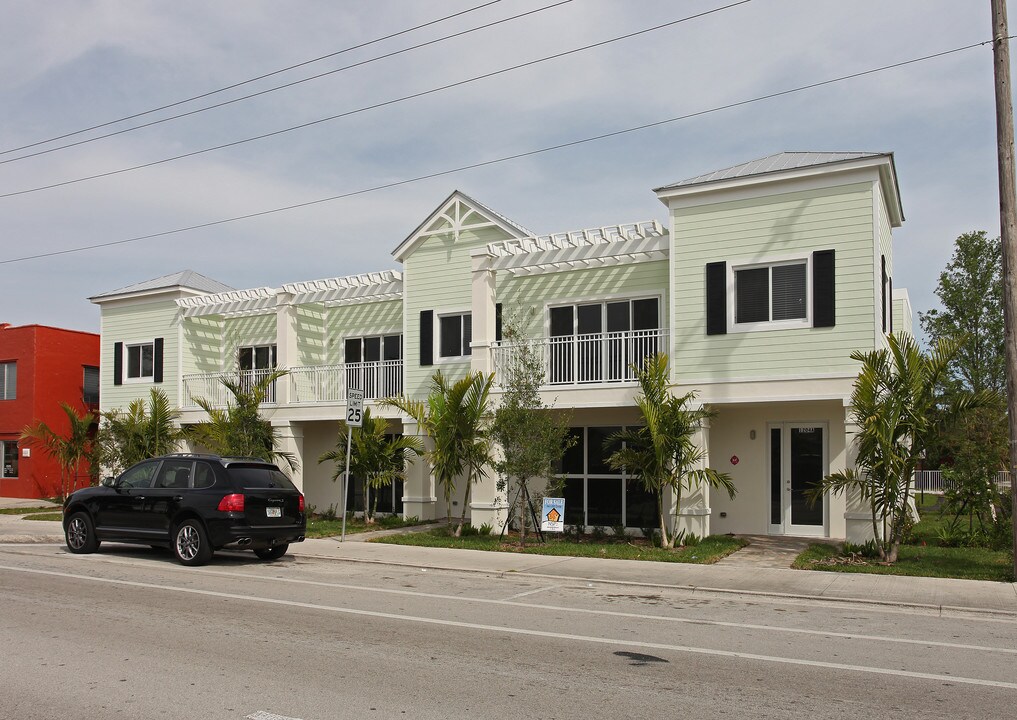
x=193, y=504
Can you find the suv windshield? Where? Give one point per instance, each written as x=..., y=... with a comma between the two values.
x=259, y=476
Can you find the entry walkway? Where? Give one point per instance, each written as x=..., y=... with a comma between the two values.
x=768, y=551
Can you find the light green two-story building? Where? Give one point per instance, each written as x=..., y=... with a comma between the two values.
x=759, y=282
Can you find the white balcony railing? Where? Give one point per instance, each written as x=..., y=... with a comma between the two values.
x=210, y=386
x=328, y=383
x=589, y=359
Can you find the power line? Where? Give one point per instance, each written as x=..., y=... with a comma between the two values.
x=251, y=80
x=505, y=158
x=279, y=87
x=375, y=106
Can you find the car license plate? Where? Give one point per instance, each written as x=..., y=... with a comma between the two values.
x=273, y=512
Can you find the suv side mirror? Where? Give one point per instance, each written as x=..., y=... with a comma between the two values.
x=108, y=481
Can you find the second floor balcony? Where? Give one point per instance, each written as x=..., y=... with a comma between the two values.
x=306, y=385
x=593, y=358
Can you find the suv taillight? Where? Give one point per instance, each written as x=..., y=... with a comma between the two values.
x=232, y=503
x=300, y=504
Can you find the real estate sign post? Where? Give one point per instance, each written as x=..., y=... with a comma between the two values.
x=552, y=515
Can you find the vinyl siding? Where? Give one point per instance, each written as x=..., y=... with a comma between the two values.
x=310, y=335
x=886, y=250
x=438, y=276
x=363, y=319
x=755, y=230
x=202, y=344
x=527, y=297
x=141, y=322
x=246, y=331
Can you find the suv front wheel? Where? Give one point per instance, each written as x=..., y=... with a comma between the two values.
x=190, y=543
x=80, y=534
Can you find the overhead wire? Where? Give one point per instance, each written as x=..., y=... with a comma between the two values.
x=285, y=85
x=385, y=103
x=503, y=159
x=251, y=80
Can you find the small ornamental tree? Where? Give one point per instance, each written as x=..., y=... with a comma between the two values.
x=661, y=452
x=238, y=430
x=532, y=437
x=376, y=457
x=69, y=448
x=144, y=430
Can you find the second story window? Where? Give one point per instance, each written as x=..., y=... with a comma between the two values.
x=771, y=293
x=374, y=364
x=140, y=361
x=455, y=333
x=90, y=385
x=256, y=357
x=8, y=380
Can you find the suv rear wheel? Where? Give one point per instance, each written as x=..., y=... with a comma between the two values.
x=272, y=553
x=190, y=543
x=80, y=534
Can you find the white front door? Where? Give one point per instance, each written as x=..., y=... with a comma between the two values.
x=798, y=461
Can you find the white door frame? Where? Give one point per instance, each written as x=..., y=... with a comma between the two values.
x=785, y=526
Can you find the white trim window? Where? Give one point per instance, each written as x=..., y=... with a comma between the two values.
x=8, y=381
x=770, y=295
x=139, y=361
x=256, y=357
x=455, y=335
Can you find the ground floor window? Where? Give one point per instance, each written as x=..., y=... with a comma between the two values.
x=9, y=458
x=596, y=495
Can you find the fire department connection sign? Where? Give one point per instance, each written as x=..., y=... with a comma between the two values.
x=552, y=515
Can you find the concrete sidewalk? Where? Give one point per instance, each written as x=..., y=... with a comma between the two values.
x=752, y=573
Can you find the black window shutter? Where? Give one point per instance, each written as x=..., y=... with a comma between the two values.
x=157, y=361
x=426, y=337
x=716, y=298
x=883, y=289
x=497, y=322
x=118, y=363
x=824, y=289
x=889, y=282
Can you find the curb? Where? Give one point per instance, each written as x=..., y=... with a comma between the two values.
x=931, y=609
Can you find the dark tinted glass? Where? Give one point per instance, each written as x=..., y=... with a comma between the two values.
x=640, y=506
x=645, y=314
x=204, y=475
x=139, y=476
x=789, y=292
x=589, y=319
x=752, y=288
x=597, y=454
x=561, y=321
x=451, y=335
x=467, y=334
x=775, y=477
x=572, y=459
x=174, y=474
x=259, y=476
x=351, y=350
x=603, y=501
x=618, y=317
x=393, y=349
x=574, y=502
x=245, y=358
x=372, y=349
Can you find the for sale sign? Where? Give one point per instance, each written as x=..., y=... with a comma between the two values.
x=552, y=515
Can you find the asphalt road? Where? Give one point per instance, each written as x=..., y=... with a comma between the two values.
x=128, y=633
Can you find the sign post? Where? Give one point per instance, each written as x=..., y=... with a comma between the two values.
x=354, y=418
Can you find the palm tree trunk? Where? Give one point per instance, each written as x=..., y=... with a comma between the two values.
x=663, y=520
x=466, y=504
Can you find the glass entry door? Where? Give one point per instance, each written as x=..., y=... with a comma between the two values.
x=797, y=463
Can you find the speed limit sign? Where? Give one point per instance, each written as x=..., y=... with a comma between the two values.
x=355, y=408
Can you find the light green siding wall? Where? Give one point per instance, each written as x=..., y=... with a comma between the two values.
x=886, y=250
x=438, y=276
x=527, y=297
x=753, y=230
x=136, y=323
x=310, y=335
x=245, y=331
x=363, y=319
x=202, y=344
x=903, y=321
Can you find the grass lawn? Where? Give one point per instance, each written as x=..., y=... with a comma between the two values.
x=45, y=516
x=25, y=511
x=708, y=551
x=923, y=557
x=318, y=527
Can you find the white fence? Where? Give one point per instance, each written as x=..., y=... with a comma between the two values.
x=328, y=383
x=210, y=386
x=592, y=358
x=933, y=481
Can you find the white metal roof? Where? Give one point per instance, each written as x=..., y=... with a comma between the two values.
x=185, y=278
x=777, y=162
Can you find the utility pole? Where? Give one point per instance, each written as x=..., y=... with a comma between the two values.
x=1004, y=143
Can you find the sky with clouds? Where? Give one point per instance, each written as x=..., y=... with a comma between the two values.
x=66, y=65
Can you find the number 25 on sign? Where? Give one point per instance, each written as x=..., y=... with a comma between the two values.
x=355, y=408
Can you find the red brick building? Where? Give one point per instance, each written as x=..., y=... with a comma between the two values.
x=41, y=366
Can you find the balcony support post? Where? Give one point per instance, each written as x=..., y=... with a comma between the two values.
x=286, y=343
x=484, y=287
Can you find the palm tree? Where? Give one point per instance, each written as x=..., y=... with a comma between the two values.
x=143, y=431
x=454, y=417
x=238, y=430
x=661, y=452
x=893, y=403
x=376, y=457
x=69, y=449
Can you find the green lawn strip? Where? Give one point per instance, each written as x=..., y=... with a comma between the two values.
x=45, y=516
x=708, y=551
x=915, y=561
x=24, y=511
x=321, y=528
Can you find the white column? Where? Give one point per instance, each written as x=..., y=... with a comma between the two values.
x=857, y=516
x=286, y=343
x=289, y=438
x=483, y=308
x=694, y=514
x=419, y=499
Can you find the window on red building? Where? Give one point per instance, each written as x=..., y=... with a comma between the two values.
x=9, y=458
x=8, y=380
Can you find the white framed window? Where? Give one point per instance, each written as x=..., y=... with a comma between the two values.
x=455, y=334
x=8, y=381
x=770, y=295
x=8, y=458
x=90, y=385
x=139, y=361
x=256, y=357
